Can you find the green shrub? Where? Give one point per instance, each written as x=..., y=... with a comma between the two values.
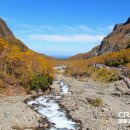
x=40, y=82
x=113, y=63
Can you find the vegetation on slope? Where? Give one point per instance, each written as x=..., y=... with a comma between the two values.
x=27, y=66
x=81, y=68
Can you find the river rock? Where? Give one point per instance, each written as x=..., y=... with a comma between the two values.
x=39, y=92
x=33, y=93
x=46, y=125
x=121, y=87
x=41, y=125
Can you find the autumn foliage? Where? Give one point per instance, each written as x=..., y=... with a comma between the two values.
x=24, y=65
x=81, y=68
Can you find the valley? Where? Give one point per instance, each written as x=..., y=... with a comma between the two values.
x=88, y=91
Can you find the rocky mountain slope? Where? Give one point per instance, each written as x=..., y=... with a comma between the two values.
x=117, y=40
x=6, y=33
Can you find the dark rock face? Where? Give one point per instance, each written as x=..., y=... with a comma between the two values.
x=92, y=53
x=117, y=26
x=127, y=22
x=4, y=30
x=117, y=40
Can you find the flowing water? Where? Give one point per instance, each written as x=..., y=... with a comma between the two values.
x=56, y=115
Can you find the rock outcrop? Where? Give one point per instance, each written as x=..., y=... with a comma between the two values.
x=118, y=39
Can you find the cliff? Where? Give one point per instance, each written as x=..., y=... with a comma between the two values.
x=117, y=40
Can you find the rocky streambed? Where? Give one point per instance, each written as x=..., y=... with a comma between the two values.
x=68, y=106
x=103, y=115
x=56, y=115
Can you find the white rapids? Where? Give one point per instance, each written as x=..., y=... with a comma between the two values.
x=56, y=115
x=64, y=87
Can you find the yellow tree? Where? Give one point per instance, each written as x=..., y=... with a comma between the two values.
x=12, y=61
x=3, y=47
x=34, y=64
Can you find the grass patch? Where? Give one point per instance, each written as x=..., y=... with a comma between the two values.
x=96, y=102
x=102, y=74
x=105, y=75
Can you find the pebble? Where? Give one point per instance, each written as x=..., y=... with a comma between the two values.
x=46, y=125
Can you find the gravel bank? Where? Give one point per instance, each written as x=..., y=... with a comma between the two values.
x=104, y=117
x=15, y=113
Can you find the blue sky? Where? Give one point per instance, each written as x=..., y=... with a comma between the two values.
x=62, y=28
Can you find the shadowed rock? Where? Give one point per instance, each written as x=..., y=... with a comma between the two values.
x=127, y=22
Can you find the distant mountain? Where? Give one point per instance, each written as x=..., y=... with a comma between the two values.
x=117, y=40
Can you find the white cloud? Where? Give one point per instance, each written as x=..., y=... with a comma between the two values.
x=37, y=26
x=67, y=38
x=107, y=28
x=110, y=27
x=28, y=26
x=9, y=19
x=86, y=28
x=68, y=28
x=65, y=29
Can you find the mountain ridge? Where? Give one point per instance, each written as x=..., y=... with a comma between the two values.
x=8, y=35
x=4, y=29
x=117, y=40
